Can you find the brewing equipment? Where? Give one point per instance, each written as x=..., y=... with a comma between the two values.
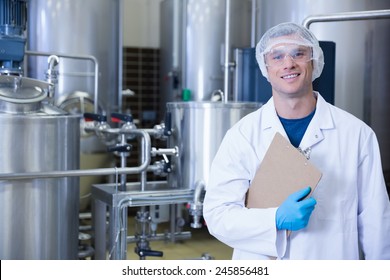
x=198, y=129
x=38, y=217
x=80, y=28
x=62, y=21
x=198, y=37
x=193, y=46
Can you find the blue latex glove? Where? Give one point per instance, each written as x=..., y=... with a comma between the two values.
x=295, y=211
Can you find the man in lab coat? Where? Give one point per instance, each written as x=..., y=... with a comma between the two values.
x=348, y=213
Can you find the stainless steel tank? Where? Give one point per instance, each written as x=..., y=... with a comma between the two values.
x=192, y=60
x=197, y=130
x=38, y=217
x=193, y=44
x=362, y=59
x=88, y=27
x=82, y=28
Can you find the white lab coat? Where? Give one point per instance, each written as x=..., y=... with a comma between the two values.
x=352, y=203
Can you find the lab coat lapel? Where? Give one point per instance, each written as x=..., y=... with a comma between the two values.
x=322, y=119
x=270, y=122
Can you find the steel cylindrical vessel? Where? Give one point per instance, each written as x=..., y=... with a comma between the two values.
x=38, y=217
x=53, y=26
x=197, y=130
x=81, y=28
x=193, y=45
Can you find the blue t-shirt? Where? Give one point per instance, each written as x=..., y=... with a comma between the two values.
x=296, y=128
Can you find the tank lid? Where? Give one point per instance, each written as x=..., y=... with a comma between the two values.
x=22, y=90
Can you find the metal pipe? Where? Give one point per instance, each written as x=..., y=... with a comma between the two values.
x=118, y=233
x=74, y=56
x=227, y=52
x=89, y=172
x=172, y=223
x=143, y=177
x=184, y=44
x=165, y=151
x=155, y=132
x=253, y=23
x=196, y=206
x=120, y=58
x=123, y=233
x=122, y=186
x=51, y=74
x=52, y=61
x=182, y=235
x=348, y=16
x=176, y=35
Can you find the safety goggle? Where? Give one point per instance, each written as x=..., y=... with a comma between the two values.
x=276, y=56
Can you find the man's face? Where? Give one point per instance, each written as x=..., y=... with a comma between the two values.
x=290, y=69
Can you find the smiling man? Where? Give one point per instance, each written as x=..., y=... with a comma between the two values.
x=348, y=214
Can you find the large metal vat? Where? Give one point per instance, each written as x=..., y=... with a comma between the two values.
x=362, y=83
x=88, y=27
x=193, y=43
x=197, y=130
x=80, y=28
x=38, y=217
x=193, y=59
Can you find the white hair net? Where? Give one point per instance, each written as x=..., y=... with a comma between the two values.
x=289, y=33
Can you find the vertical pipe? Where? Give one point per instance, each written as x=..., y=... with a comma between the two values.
x=253, y=23
x=184, y=44
x=123, y=233
x=122, y=185
x=227, y=52
x=120, y=55
x=237, y=77
x=172, y=222
x=113, y=233
x=96, y=93
x=144, y=149
x=176, y=37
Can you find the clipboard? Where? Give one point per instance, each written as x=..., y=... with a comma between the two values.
x=284, y=170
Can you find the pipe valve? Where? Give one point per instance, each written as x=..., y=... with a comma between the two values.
x=128, y=123
x=98, y=123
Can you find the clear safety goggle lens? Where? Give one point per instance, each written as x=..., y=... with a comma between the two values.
x=277, y=56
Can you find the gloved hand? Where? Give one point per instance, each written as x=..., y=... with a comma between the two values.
x=295, y=211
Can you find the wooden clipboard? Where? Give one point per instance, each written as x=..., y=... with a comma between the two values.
x=283, y=171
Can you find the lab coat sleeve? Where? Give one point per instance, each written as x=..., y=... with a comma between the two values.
x=374, y=205
x=227, y=218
